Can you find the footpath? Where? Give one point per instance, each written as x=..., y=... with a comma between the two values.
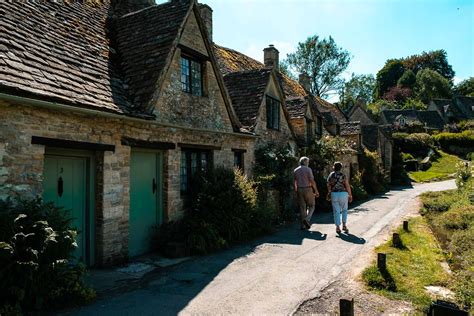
x=272, y=275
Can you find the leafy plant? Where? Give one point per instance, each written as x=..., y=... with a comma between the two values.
x=463, y=173
x=36, y=246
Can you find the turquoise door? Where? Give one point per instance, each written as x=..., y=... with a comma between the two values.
x=65, y=184
x=145, y=200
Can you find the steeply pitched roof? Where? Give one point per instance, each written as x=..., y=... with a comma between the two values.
x=466, y=106
x=370, y=136
x=230, y=61
x=296, y=107
x=246, y=90
x=349, y=128
x=145, y=40
x=391, y=115
x=431, y=119
x=60, y=51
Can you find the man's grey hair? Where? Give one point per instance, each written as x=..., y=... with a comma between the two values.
x=304, y=161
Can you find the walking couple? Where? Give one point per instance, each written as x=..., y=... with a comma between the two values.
x=306, y=190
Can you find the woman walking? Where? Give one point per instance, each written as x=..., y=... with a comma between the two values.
x=340, y=192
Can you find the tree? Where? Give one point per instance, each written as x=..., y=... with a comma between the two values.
x=465, y=88
x=358, y=89
x=388, y=76
x=323, y=61
x=431, y=85
x=397, y=94
x=407, y=80
x=378, y=106
x=436, y=60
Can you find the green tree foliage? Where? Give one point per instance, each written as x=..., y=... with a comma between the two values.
x=414, y=104
x=358, y=89
x=323, y=61
x=407, y=80
x=388, y=77
x=378, y=106
x=465, y=88
x=435, y=60
x=431, y=85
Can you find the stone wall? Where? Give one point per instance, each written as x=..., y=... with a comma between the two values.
x=21, y=163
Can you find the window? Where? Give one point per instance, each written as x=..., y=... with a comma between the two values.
x=239, y=160
x=273, y=113
x=319, y=126
x=192, y=161
x=191, y=76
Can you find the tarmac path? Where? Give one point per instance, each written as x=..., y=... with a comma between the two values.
x=271, y=275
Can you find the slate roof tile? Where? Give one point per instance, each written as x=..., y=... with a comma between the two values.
x=246, y=90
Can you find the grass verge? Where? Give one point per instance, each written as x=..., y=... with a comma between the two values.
x=442, y=168
x=409, y=269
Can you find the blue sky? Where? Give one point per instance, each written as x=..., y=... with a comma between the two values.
x=371, y=30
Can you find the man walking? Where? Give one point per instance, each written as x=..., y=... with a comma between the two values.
x=306, y=191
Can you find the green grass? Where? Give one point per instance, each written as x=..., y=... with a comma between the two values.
x=443, y=168
x=409, y=269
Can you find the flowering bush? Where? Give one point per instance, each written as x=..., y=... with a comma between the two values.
x=463, y=173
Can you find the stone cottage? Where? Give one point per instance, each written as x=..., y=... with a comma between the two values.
x=459, y=108
x=412, y=120
x=374, y=137
x=108, y=109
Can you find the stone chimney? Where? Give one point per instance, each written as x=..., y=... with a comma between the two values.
x=271, y=57
x=304, y=81
x=206, y=15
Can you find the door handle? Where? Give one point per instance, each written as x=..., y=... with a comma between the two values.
x=60, y=186
x=153, y=186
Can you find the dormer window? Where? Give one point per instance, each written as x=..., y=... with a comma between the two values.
x=273, y=113
x=191, y=76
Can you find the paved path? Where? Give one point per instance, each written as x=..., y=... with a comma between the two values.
x=272, y=275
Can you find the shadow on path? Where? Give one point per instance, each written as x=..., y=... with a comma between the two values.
x=351, y=238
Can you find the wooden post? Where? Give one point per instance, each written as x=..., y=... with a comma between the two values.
x=405, y=226
x=396, y=241
x=346, y=307
x=382, y=261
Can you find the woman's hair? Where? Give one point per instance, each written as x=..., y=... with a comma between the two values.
x=337, y=166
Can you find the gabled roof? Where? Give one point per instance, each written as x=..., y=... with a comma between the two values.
x=60, y=52
x=145, y=39
x=357, y=106
x=431, y=119
x=392, y=115
x=370, y=136
x=349, y=128
x=246, y=90
x=466, y=106
x=296, y=107
x=230, y=60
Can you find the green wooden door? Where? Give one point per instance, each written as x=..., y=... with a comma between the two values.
x=145, y=200
x=65, y=184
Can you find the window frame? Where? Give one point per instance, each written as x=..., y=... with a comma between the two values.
x=241, y=153
x=190, y=60
x=270, y=104
x=188, y=166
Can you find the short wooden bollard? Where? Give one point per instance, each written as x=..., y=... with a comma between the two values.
x=382, y=261
x=346, y=307
x=396, y=241
x=405, y=226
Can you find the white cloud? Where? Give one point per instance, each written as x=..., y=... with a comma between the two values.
x=457, y=80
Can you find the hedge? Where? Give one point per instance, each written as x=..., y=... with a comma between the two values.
x=464, y=140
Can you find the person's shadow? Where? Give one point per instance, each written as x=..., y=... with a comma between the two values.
x=351, y=238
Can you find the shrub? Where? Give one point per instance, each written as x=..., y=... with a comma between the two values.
x=416, y=144
x=225, y=210
x=461, y=217
x=358, y=190
x=407, y=157
x=437, y=201
x=275, y=163
x=372, y=175
x=398, y=173
x=463, y=173
x=464, y=141
x=36, y=245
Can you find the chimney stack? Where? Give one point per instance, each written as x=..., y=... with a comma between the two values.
x=304, y=81
x=206, y=15
x=271, y=57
